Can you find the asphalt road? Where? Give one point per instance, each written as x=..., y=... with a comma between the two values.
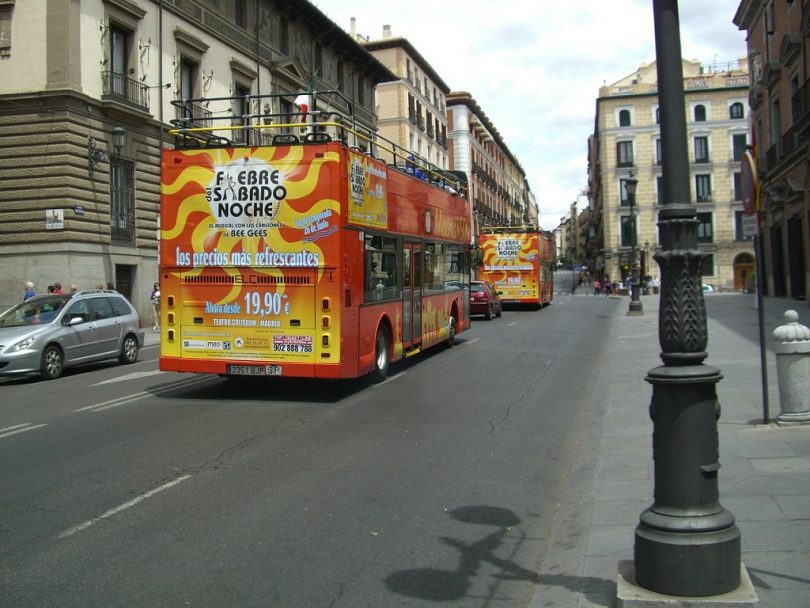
x=123, y=486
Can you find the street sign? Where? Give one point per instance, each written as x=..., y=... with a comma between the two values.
x=749, y=225
x=749, y=183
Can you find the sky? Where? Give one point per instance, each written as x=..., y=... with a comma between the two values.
x=535, y=66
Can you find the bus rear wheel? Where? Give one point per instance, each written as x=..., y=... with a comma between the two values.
x=382, y=358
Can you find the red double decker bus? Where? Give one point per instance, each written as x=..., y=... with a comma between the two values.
x=307, y=250
x=518, y=261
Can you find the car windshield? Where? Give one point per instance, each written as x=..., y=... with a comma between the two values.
x=35, y=311
x=476, y=286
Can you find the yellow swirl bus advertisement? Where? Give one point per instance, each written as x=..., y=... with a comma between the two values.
x=249, y=248
x=511, y=261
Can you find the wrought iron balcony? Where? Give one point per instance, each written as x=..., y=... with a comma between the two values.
x=116, y=85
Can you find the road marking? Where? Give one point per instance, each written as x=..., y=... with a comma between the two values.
x=473, y=341
x=388, y=379
x=512, y=323
x=132, y=376
x=127, y=399
x=122, y=507
x=19, y=428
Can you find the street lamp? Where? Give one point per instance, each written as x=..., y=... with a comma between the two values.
x=686, y=543
x=635, y=308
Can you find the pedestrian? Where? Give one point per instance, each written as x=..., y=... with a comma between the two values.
x=597, y=287
x=73, y=288
x=50, y=289
x=29, y=291
x=57, y=287
x=155, y=297
x=608, y=288
x=99, y=285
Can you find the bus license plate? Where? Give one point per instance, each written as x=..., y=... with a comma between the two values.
x=254, y=370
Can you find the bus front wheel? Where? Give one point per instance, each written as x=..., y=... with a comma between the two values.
x=381, y=356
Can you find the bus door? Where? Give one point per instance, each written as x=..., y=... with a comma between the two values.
x=412, y=295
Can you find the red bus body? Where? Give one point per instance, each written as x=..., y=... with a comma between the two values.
x=290, y=259
x=518, y=261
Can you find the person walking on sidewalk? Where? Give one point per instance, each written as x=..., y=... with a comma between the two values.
x=597, y=287
x=155, y=297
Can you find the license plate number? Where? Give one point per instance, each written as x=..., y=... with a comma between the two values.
x=254, y=370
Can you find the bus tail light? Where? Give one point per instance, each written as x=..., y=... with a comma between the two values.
x=170, y=335
x=170, y=301
x=325, y=322
x=325, y=340
x=325, y=303
x=170, y=318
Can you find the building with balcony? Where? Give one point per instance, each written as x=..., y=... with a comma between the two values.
x=412, y=110
x=85, y=108
x=778, y=52
x=499, y=190
x=627, y=144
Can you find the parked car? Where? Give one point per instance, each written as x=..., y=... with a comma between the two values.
x=485, y=299
x=707, y=288
x=48, y=333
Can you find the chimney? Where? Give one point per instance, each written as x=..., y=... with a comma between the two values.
x=386, y=32
x=353, y=29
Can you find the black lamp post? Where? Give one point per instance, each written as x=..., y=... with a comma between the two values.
x=635, y=308
x=686, y=543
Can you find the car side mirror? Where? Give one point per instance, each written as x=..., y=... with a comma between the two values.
x=75, y=321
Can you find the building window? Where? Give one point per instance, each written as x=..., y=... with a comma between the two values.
x=241, y=108
x=122, y=202
x=659, y=183
x=240, y=13
x=118, y=61
x=317, y=60
x=738, y=226
x=623, y=198
x=341, y=70
x=657, y=115
x=361, y=90
x=624, y=153
x=736, y=110
x=700, y=113
x=707, y=266
x=703, y=188
x=701, y=149
x=705, y=232
x=624, y=118
x=739, y=141
x=737, y=186
x=628, y=230
x=284, y=36
x=658, y=151
x=5, y=30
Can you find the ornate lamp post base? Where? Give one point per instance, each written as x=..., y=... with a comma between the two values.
x=686, y=543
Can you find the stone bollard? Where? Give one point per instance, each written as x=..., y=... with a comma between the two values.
x=792, y=347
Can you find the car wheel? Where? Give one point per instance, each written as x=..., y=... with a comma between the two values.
x=488, y=315
x=129, y=350
x=381, y=356
x=500, y=311
x=53, y=362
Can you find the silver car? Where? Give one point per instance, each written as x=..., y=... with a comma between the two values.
x=45, y=334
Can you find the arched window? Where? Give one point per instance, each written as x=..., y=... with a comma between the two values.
x=624, y=118
x=700, y=113
x=735, y=110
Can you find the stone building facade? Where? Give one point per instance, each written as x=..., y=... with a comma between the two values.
x=626, y=145
x=76, y=208
x=499, y=190
x=778, y=52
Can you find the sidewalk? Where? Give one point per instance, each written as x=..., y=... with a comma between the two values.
x=764, y=478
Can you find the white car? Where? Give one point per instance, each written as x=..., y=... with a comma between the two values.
x=707, y=288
